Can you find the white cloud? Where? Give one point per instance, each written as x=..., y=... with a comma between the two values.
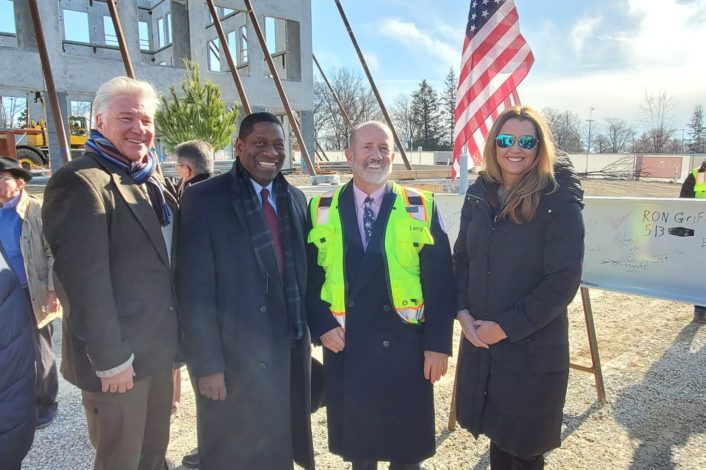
x=412, y=37
x=583, y=31
x=372, y=60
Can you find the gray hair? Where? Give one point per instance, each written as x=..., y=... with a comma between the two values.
x=125, y=86
x=357, y=127
x=197, y=154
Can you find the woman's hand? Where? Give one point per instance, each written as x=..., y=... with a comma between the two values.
x=489, y=332
x=467, y=322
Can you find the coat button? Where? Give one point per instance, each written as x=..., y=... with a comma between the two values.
x=263, y=309
x=351, y=304
x=263, y=365
x=385, y=344
x=385, y=308
x=171, y=308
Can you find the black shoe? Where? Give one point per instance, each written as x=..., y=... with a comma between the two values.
x=46, y=418
x=699, y=314
x=191, y=460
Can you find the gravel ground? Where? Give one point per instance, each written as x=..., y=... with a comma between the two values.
x=654, y=364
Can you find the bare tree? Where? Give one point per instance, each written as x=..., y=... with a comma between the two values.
x=617, y=137
x=566, y=129
x=657, y=115
x=403, y=119
x=12, y=112
x=356, y=98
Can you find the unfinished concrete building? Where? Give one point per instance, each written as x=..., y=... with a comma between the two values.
x=83, y=51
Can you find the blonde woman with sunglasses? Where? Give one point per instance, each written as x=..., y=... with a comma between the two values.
x=517, y=264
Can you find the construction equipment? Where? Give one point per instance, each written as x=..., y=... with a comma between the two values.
x=33, y=143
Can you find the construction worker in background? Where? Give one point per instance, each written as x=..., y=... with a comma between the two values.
x=694, y=186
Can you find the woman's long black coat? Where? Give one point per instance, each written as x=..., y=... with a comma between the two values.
x=18, y=413
x=521, y=276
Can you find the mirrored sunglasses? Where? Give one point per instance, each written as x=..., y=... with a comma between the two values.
x=505, y=141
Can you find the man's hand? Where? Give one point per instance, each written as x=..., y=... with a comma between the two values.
x=118, y=383
x=489, y=332
x=334, y=340
x=435, y=364
x=467, y=321
x=53, y=303
x=213, y=386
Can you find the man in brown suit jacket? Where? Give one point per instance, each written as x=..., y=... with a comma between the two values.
x=108, y=221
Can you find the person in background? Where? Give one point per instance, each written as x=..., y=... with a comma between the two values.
x=22, y=237
x=517, y=264
x=18, y=411
x=241, y=279
x=194, y=163
x=380, y=300
x=109, y=222
x=694, y=186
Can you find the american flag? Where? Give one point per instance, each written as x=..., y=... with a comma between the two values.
x=496, y=58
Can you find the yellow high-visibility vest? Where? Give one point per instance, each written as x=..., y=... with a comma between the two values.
x=408, y=230
x=699, y=183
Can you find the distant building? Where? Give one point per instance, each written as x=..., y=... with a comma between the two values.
x=84, y=53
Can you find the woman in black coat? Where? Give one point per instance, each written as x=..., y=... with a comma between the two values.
x=18, y=413
x=517, y=264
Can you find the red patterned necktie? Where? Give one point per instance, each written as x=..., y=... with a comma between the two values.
x=273, y=225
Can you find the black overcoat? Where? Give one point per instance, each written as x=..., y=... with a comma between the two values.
x=521, y=276
x=18, y=410
x=233, y=319
x=379, y=405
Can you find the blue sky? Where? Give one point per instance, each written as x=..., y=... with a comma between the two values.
x=602, y=53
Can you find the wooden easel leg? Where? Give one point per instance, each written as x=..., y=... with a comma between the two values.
x=452, y=411
x=593, y=345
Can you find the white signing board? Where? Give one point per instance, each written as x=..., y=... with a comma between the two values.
x=646, y=246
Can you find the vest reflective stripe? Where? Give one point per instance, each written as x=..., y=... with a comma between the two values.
x=408, y=230
x=699, y=183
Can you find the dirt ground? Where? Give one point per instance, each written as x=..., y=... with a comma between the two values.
x=654, y=364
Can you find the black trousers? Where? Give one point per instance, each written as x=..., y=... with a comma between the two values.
x=372, y=465
x=501, y=460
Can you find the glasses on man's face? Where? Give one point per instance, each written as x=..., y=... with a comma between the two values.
x=526, y=142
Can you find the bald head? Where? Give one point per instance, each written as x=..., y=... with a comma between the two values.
x=368, y=124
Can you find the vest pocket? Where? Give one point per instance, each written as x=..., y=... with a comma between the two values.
x=323, y=236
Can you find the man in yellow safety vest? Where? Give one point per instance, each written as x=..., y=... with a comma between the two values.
x=380, y=300
x=694, y=186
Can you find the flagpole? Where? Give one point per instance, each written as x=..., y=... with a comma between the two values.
x=463, y=172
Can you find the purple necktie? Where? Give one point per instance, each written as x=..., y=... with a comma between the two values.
x=273, y=225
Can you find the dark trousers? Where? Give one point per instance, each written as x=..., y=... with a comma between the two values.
x=130, y=431
x=47, y=376
x=372, y=465
x=501, y=460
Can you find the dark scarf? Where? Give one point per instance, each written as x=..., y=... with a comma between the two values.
x=140, y=172
x=262, y=240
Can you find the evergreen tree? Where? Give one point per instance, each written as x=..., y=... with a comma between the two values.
x=697, y=131
x=427, y=120
x=199, y=114
x=448, y=101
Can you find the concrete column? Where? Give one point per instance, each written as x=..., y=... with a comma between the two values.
x=24, y=28
x=181, y=44
x=54, y=149
x=293, y=54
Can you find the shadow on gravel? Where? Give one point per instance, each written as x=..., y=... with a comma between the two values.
x=572, y=423
x=669, y=405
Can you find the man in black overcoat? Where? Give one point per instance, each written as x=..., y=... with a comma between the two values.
x=378, y=367
x=241, y=280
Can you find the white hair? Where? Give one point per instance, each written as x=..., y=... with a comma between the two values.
x=125, y=86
